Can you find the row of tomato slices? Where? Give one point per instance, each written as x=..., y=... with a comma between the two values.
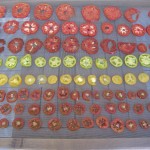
x=71, y=45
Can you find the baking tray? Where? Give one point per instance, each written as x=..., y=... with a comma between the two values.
x=95, y=132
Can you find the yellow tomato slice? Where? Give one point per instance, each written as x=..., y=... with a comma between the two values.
x=15, y=80
x=104, y=79
x=41, y=79
x=92, y=80
x=117, y=79
x=52, y=79
x=79, y=80
x=3, y=79
x=143, y=77
x=130, y=78
x=29, y=79
x=66, y=79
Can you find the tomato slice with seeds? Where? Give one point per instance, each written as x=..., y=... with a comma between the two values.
x=34, y=109
x=90, y=13
x=2, y=43
x=148, y=29
x=102, y=122
x=48, y=94
x=12, y=96
x=19, y=108
x=50, y=28
x=131, y=125
x=63, y=92
x=138, y=30
x=34, y=124
x=11, y=27
x=110, y=108
x=142, y=94
x=131, y=14
x=6, y=109
x=4, y=123
x=138, y=108
x=107, y=94
x=87, y=122
x=33, y=45
x=107, y=27
x=54, y=124
x=20, y=10
x=43, y=11
x=73, y=124
x=96, y=94
x=90, y=45
x=49, y=109
x=86, y=95
x=35, y=94
x=23, y=94
x=65, y=12
x=95, y=109
x=120, y=95
x=52, y=44
x=2, y=11
x=123, y=30
x=148, y=107
x=65, y=108
x=112, y=12
x=132, y=95
x=123, y=107
x=88, y=29
x=69, y=27
x=75, y=95
x=142, y=47
x=79, y=109
x=144, y=124
x=18, y=123
x=2, y=95
x=29, y=27
x=71, y=44
x=117, y=125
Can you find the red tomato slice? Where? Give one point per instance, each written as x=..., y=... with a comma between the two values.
x=90, y=45
x=15, y=45
x=48, y=94
x=95, y=109
x=43, y=11
x=23, y=94
x=148, y=29
x=2, y=43
x=18, y=123
x=49, y=109
x=87, y=122
x=138, y=109
x=54, y=124
x=75, y=95
x=132, y=14
x=96, y=94
x=12, y=96
x=108, y=46
x=142, y=47
x=120, y=95
x=50, y=28
x=123, y=30
x=34, y=109
x=29, y=27
x=19, y=108
x=73, y=124
x=111, y=108
x=90, y=13
x=117, y=125
x=2, y=95
x=65, y=12
x=123, y=107
x=52, y=44
x=11, y=27
x=86, y=95
x=35, y=94
x=149, y=14
x=65, y=108
x=4, y=123
x=142, y=94
x=20, y=10
x=34, y=124
x=2, y=11
x=138, y=30
x=33, y=45
x=132, y=95
x=107, y=27
x=69, y=28
x=148, y=107
x=112, y=12
x=6, y=109
x=144, y=124
x=131, y=125
x=102, y=122
x=63, y=92
x=79, y=109
x=107, y=94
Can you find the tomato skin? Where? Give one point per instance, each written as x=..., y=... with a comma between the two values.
x=4, y=123
x=23, y=94
x=2, y=11
x=117, y=125
x=79, y=108
x=5, y=109
x=148, y=29
x=48, y=94
x=12, y=96
x=2, y=95
x=62, y=92
x=107, y=27
x=123, y=30
x=87, y=122
x=86, y=95
x=138, y=30
x=73, y=124
x=111, y=108
x=2, y=43
x=138, y=108
x=54, y=124
x=142, y=94
x=142, y=47
x=102, y=122
x=131, y=125
x=49, y=109
x=35, y=94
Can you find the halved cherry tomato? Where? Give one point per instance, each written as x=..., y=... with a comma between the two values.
x=19, y=108
x=4, y=123
x=18, y=123
x=148, y=107
x=65, y=108
x=2, y=43
x=2, y=95
x=65, y=12
x=108, y=46
x=43, y=11
x=123, y=30
x=52, y=44
x=112, y=12
x=73, y=124
x=107, y=94
x=11, y=27
x=120, y=95
x=142, y=47
x=86, y=95
x=131, y=125
x=123, y=107
x=15, y=45
x=49, y=109
x=12, y=96
x=90, y=13
x=107, y=27
x=87, y=122
x=62, y=92
x=26, y=60
x=144, y=124
x=138, y=108
x=117, y=125
x=132, y=95
x=2, y=11
x=102, y=122
x=149, y=14
x=33, y=45
x=148, y=29
x=79, y=109
x=71, y=44
x=34, y=124
x=69, y=28
x=54, y=124
x=90, y=45
x=142, y=94
x=29, y=27
x=3, y=79
x=138, y=30
x=96, y=94
x=132, y=14
x=111, y=108
x=48, y=94
x=6, y=109
x=75, y=95
x=34, y=109
x=23, y=94
x=95, y=109
x=20, y=10
x=50, y=28
x=35, y=94
x=88, y=29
